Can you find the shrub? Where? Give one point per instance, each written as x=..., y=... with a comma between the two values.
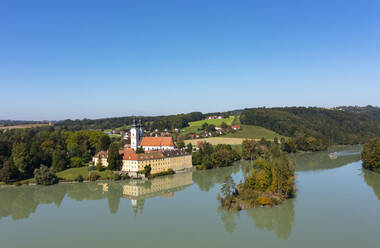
x=100, y=168
x=93, y=176
x=116, y=177
x=262, y=200
x=91, y=168
x=79, y=178
x=125, y=177
x=45, y=176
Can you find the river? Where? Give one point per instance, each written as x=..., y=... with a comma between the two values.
x=337, y=205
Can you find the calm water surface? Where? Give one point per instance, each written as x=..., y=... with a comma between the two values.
x=337, y=205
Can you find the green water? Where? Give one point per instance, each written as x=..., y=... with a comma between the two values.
x=337, y=205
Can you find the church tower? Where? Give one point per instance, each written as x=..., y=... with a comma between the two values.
x=134, y=136
x=137, y=132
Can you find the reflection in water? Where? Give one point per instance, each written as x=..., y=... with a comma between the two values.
x=373, y=180
x=20, y=202
x=138, y=190
x=322, y=161
x=279, y=219
x=206, y=179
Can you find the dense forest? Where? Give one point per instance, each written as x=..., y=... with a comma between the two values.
x=371, y=155
x=150, y=122
x=24, y=150
x=315, y=127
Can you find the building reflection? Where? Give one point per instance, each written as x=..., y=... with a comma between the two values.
x=138, y=191
x=21, y=202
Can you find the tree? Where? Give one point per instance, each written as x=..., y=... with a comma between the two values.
x=228, y=187
x=45, y=176
x=59, y=160
x=9, y=172
x=371, y=155
x=223, y=125
x=140, y=149
x=20, y=158
x=103, y=143
x=180, y=144
x=189, y=148
x=147, y=170
x=114, y=158
x=76, y=162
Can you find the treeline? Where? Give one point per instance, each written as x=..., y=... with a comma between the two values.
x=371, y=111
x=18, y=122
x=209, y=156
x=150, y=122
x=173, y=121
x=315, y=128
x=24, y=150
x=371, y=155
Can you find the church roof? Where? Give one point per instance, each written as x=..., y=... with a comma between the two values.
x=157, y=141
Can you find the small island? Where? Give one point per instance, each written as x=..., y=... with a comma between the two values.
x=269, y=182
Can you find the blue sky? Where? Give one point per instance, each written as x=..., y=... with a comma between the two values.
x=92, y=59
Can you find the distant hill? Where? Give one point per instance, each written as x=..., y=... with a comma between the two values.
x=372, y=111
x=331, y=126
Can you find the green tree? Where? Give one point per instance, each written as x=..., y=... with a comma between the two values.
x=20, y=158
x=371, y=155
x=228, y=187
x=45, y=176
x=103, y=143
x=59, y=160
x=114, y=158
x=9, y=172
x=189, y=148
x=147, y=170
x=140, y=150
x=223, y=125
x=180, y=144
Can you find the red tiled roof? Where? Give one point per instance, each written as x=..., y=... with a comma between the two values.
x=236, y=126
x=157, y=141
x=102, y=154
x=143, y=156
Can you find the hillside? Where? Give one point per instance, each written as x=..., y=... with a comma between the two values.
x=195, y=125
x=253, y=132
x=329, y=126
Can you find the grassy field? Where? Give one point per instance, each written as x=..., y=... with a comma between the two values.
x=247, y=132
x=195, y=125
x=72, y=173
x=25, y=126
x=217, y=140
x=253, y=132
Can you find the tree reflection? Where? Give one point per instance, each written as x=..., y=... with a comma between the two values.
x=373, y=180
x=20, y=202
x=279, y=219
x=206, y=179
